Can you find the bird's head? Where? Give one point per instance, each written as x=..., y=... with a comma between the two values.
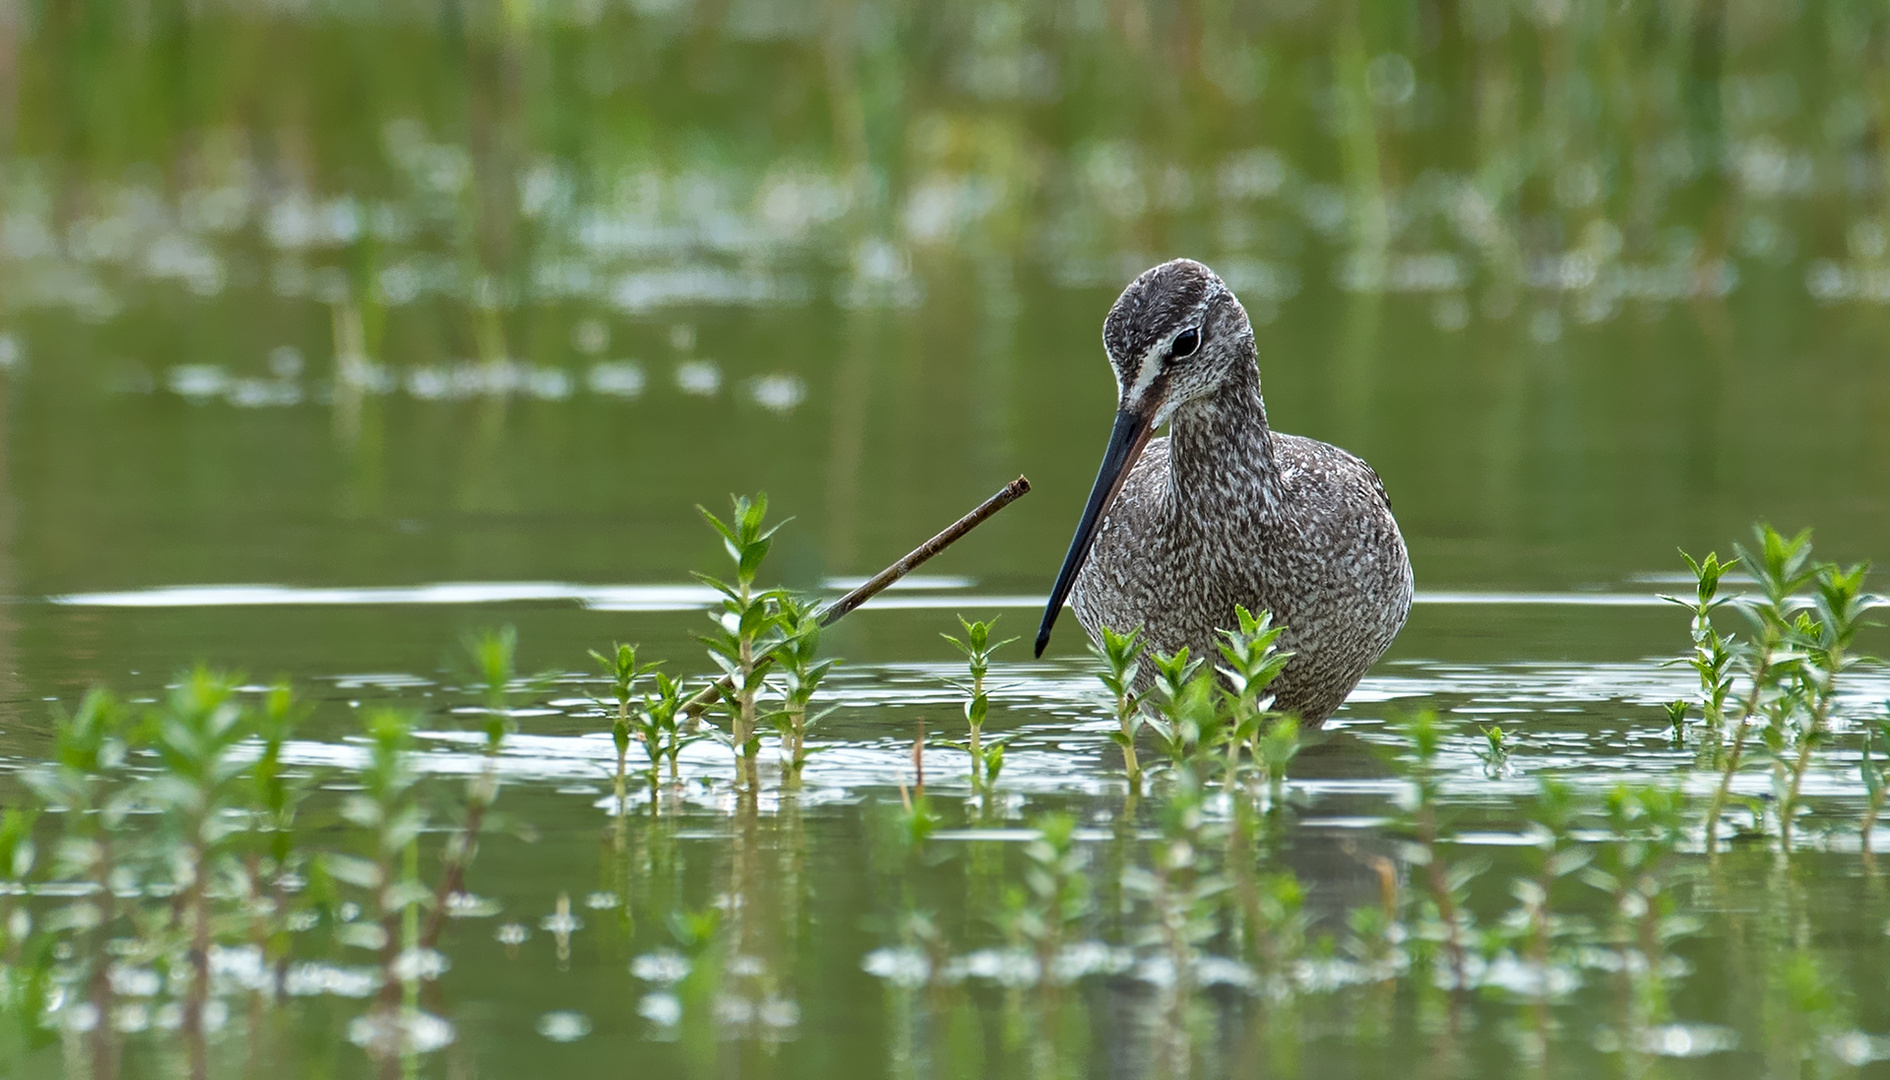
x=1175, y=336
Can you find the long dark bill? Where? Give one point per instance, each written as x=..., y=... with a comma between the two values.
x=1126, y=441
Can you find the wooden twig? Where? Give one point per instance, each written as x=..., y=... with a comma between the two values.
x=838, y=610
x=872, y=587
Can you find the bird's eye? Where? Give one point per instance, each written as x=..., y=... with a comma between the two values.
x=1185, y=343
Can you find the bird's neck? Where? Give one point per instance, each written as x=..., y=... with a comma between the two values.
x=1221, y=468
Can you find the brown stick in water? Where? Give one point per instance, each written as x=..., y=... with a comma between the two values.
x=840, y=608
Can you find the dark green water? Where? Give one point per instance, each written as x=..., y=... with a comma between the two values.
x=307, y=312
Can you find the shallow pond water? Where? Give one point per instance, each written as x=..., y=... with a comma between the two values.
x=329, y=335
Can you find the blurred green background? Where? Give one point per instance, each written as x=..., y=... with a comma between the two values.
x=360, y=294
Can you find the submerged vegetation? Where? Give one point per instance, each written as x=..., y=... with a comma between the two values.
x=1780, y=681
x=987, y=758
x=175, y=882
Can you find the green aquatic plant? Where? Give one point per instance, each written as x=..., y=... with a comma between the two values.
x=1772, y=661
x=1790, y=664
x=993, y=764
x=388, y=810
x=26, y=959
x=84, y=781
x=899, y=838
x=195, y=733
x=1250, y=660
x=914, y=823
x=1495, y=750
x=1552, y=816
x=1195, y=711
x=1183, y=896
x=1275, y=748
x=277, y=859
x=1055, y=893
x=1121, y=656
x=1645, y=825
x=1278, y=921
x=214, y=835
x=703, y=934
x=659, y=720
x=1375, y=934
x=19, y=856
x=747, y=629
x=1871, y=770
x=1183, y=707
x=624, y=671
x=1711, y=656
x=1039, y=918
x=978, y=648
x=1780, y=570
x=1826, y=635
x=494, y=656
x=1805, y=1012
x=801, y=673
x=1677, y=722
x=1421, y=737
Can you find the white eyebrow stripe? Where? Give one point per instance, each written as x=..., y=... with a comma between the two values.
x=1147, y=366
x=1148, y=369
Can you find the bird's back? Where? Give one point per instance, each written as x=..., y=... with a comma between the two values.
x=1323, y=554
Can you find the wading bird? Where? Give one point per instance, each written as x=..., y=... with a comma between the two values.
x=1224, y=510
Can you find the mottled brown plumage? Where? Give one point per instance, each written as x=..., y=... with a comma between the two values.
x=1224, y=511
